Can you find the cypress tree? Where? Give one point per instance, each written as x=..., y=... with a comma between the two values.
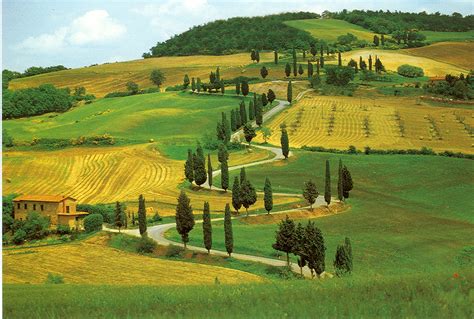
x=193, y=84
x=253, y=55
x=314, y=249
x=218, y=76
x=287, y=69
x=238, y=120
x=268, y=195
x=310, y=69
x=200, y=175
x=263, y=72
x=339, y=182
x=300, y=70
x=237, y=88
x=229, y=237
x=360, y=61
x=347, y=184
x=189, y=167
x=321, y=62
x=321, y=50
x=254, y=98
x=298, y=248
x=289, y=92
x=271, y=96
x=295, y=68
x=376, y=40
x=243, y=175
x=370, y=63
x=304, y=54
x=209, y=170
x=259, y=115
x=243, y=113
x=327, y=50
x=317, y=67
x=226, y=128
x=133, y=219
x=275, y=57
x=313, y=50
x=224, y=175
x=257, y=56
x=184, y=217
x=141, y=215
x=222, y=154
x=348, y=246
x=118, y=216
x=198, y=85
x=249, y=132
x=233, y=124
x=285, y=238
x=327, y=189
x=248, y=194
x=343, y=259
x=244, y=88
x=185, y=81
x=236, y=195
x=310, y=192
x=285, y=144
x=222, y=86
x=339, y=59
x=251, y=111
x=382, y=39
x=207, y=227
x=264, y=99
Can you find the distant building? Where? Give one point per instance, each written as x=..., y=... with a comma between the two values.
x=60, y=209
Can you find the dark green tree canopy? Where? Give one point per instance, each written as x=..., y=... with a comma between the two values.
x=184, y=217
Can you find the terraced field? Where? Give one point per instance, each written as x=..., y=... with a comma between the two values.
x=389, y=123
x=92, y=262
x=105, y=78
x=455, y=53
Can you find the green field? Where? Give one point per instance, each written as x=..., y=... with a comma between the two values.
x=435, y=36
x=409, y=214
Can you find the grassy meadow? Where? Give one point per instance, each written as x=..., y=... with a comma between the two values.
x=436, y=36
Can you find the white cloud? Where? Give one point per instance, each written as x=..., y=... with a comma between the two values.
x=94, y=26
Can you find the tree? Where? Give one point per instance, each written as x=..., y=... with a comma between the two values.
x=285, y=144
x=253, y=55
x=310, y=69
x=327, y=189
x=189, y=167
x=185, y=81
x=353, y=64
x=226, y=129
x=141, y=215
x=268, y=195
x=275, y=57
x=295, y=69
x=207, y=227
x=118, y=215
x=343, y=259
x=263, y=72
x=237, y=88
x=321, y=62
x=347, y=184
x=184, y=217
x=37, y=226
x=339, y=182
x=310, y=193
x=7, y=139
x=243, y=113
x=376, y=40
x=370, y=63
x=317, y=67
x=198, y=85
x=289, y=92
x=233, y=123
x=248, y=194
x=300, y=70
x=259, y=115
x=243, y=175
x=314, y=249
x=93, y=222
x=222, y=153
x=251, y=111
x=224, y=175
x=218, y=75
x=199, y=160
x=287, y=69
x=379, y=66
x=315, y=81
x=133, y=219
x=264, y=99
x=382, y=39
x=340, y=76
x=209, y=171
x=249, y=132
x=229, y=237
x=222, y=86
x=132, y=87
x=157, y=77
x=244, y=88
x=266, y=133
x=339, y=59
x=285, y=238
x=271, y=96
x=193, y=84
x=236, y=195
x=257, y=56
x=298, y=247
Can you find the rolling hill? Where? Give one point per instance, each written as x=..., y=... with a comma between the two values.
x=455, y=53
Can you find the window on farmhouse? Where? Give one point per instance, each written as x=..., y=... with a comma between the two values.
x=67, y=209
x=18, y=205
x=34, y=206
x=26, y=206
x=42, y=207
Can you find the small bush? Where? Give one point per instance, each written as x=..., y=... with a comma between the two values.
x=146, y=245
x=54, y=279
x=63, y=230
x=93, y=223
x=19, y=237
x=410, y=71
x=175, y=251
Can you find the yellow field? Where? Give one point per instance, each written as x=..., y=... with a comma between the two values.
x=93, y=262
x=280, y=87
x=102, y=79
x=105, y=175
x=393, y=59
x=308, y=123
x=456, y=53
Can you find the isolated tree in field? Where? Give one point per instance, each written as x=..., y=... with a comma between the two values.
x=118, y=216
x=186, y=81
x=157, y=77
x=141, y=215
x=339, y=59
x=287, y=69
x=189, y=167
x=243, y=175
x=222, y=153
x=248, y=195
x=327, y=189
x=249, y=132
x=289, y=92
x=339, y=182
x=184, y=217
x=198, y=85
x=271, y=96
x=244, y=88
x=321, y=62
x=253, y=55
x=285, y=238
x=209, y=170
x=275, y=57
x=229, y=237
x=376, y=40
x=236, y=203
x=300, y=70
x=259, y=115
x=298, y=247
x=314, y=248
x=193, y=84
x=310, y=69
x=200, y=175
x=268, y=195
x=233, y=123
x=285, y=143
x=343, y=259
x=237, y=88
x=263, y=72
x=266, y=133
x=251, y=111
x=310, y=193
x=243, y=113
x=224, y=175
x=370, y=63
x=132, y=87
x=207, y=227
x=264, y=99
x=347, y=184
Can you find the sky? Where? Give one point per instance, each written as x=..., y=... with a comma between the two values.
x=80, y=33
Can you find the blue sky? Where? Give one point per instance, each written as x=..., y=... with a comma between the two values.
x=79, y=33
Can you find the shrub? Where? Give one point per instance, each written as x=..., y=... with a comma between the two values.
x=107, y=211
x=174, y=251
x=54, y=279
x=410, y=71
x=19, y=237
x=93, y=222
x=146, y=245
x=339, y=75
x=63, y=230
x=36, y=226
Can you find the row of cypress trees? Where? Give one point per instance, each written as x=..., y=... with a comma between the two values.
x=207, y=229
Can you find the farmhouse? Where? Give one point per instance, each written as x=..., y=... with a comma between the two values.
x=60, y=209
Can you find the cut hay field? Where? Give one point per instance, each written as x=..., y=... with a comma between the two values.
x=309, y=123
x=455, y=53
x=105, y=78
x=330, y=29
x=93, y=262
x=393, y=59
x=108, y=174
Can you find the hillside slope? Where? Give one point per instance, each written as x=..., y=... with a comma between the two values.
x=456, y=53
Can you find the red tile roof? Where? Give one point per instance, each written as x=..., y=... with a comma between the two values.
x=42, y=198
